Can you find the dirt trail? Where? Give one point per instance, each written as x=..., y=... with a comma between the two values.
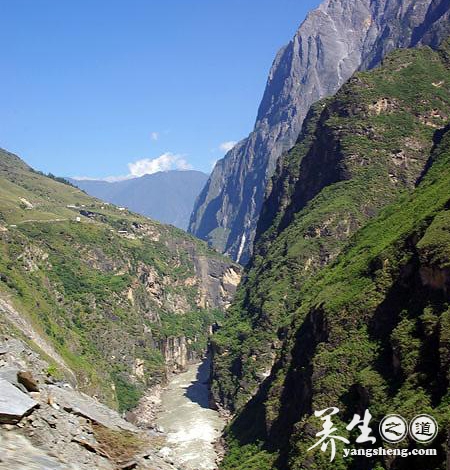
x=40, y=221
x=18, y=320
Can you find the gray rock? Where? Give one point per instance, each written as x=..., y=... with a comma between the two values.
x=83, y=405
x=335, y=40
x=9, y=374
x=13, y=403
x=18, y=453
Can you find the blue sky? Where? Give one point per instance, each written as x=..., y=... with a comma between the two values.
x=89, y=87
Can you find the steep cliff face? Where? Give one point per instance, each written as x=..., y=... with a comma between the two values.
x=332, y=43
x=112, y=296
x=358, y=152
x=370, y=331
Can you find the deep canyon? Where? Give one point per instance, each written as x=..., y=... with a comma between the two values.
x=121, y=336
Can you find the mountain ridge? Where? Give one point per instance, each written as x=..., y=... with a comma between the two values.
x=334, y=41
x=345, y=301
x=358, y=151
x=166, y=196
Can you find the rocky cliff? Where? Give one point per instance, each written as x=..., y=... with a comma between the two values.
x=345, y=301
x=336, y=39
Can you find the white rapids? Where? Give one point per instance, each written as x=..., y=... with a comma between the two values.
x=190, y=424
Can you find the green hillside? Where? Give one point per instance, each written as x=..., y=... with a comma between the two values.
x=346, y=302
x=372, y=331
x=104, y=286
x=358, y=152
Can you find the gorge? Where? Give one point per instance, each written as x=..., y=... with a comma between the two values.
x=95, y=302
x=127, y=343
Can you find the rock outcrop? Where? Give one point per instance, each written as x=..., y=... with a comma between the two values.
x=219, y=281
x=334, y=41
x=14, y=404
x=61, y=428
x=176, y=353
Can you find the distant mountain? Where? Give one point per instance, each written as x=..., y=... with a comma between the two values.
x=167, y=196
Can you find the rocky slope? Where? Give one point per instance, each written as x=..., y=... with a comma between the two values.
x=335, y=40
x=325, y=317
x=112, y=298
x=47, y=424
x=165, y=196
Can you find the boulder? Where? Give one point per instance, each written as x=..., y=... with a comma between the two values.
x=83, y=405
x=28, y=381
x=14, y=404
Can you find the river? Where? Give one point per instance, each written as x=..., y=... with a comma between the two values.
x=190, y=424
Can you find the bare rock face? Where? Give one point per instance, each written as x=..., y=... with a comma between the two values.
x=14, y=404
x=19, y=453
x=218, y=282
x=175, y=352
x=335, y=40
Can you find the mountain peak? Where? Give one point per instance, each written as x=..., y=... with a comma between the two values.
x=335, y=40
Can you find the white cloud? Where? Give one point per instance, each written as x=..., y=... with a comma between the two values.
x=154, y=136
x=165, y=162
x=109, y=179
x=227, y=146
